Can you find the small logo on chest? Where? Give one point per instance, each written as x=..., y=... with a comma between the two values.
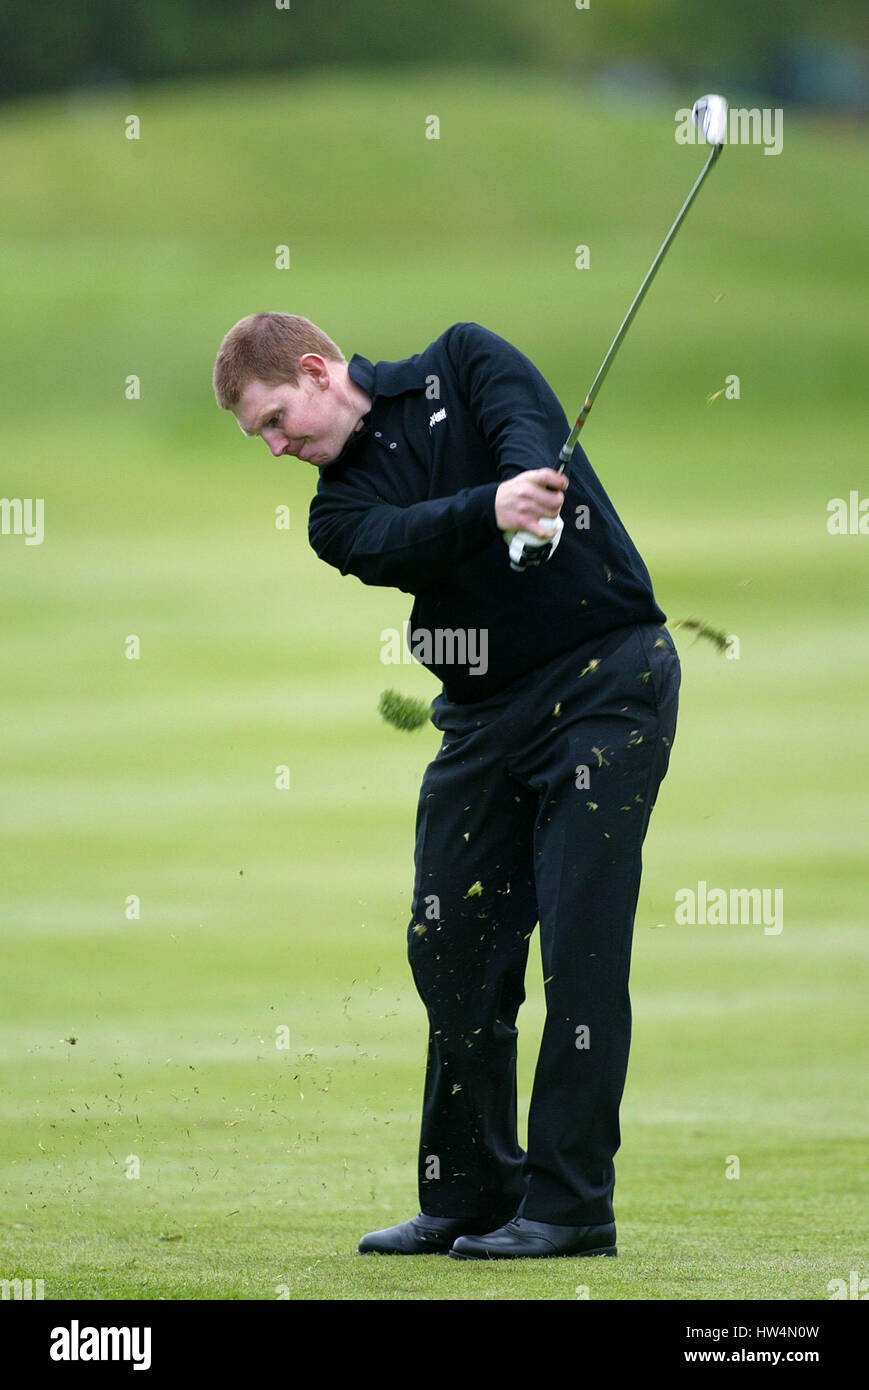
x=437, y=417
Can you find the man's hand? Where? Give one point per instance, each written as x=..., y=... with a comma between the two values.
x=530, y=501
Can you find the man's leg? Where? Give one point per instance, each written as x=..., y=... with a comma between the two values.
x=474, y=910
x=619, y=722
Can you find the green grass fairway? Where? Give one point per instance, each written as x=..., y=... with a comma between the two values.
x=151, y=1040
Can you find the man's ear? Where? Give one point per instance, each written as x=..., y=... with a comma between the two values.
x=315, y=368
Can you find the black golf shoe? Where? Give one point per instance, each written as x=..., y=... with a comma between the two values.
x=536, y=1240
x=422, y=1235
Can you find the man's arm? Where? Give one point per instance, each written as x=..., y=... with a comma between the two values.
x=516, y=411
x=509, y=400
x=402, y=547
x=409, y=547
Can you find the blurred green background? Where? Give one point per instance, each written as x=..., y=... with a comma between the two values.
x=154, y=1037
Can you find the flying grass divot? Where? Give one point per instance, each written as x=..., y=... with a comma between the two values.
x=718, y=639
x=404, y=711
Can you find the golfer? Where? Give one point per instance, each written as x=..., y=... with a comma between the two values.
x=558, y=713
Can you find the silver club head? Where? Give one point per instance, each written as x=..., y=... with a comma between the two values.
x=710, y=118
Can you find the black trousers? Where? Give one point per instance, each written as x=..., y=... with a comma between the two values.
x=535, y=810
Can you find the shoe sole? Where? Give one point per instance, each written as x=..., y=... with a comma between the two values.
x=548, y=1255
x=429, y=1250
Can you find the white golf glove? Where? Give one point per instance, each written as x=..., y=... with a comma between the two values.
x=526, y=549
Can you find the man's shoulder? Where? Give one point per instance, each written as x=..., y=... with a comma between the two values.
x=467, y=331
x=395, y=376
x=467, y=347
x=457, y=332
x=464, y=333
x=467, y=341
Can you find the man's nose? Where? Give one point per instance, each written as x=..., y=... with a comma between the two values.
x=277, y=444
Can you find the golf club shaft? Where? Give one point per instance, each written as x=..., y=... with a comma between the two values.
x=566, y=452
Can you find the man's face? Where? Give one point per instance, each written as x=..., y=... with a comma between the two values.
x=306, y=421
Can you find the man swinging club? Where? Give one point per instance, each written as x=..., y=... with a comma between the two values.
x=537, y=804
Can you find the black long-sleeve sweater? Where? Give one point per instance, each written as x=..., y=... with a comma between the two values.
x=410, y=503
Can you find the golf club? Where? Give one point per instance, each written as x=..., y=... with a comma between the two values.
x=710, y=118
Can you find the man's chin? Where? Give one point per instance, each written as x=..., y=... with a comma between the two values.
x=324, y=460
